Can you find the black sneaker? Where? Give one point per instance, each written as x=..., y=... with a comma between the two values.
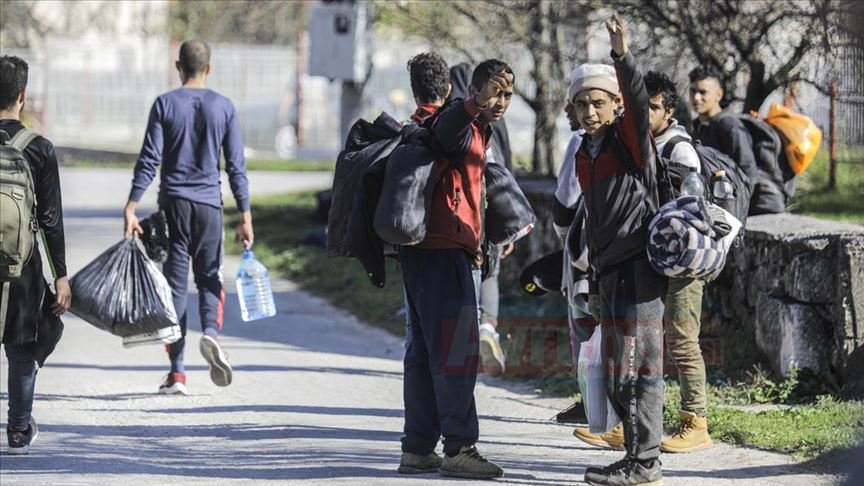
x=469, y=464
x=20, y=440
x=627, y=472
x=575, y=414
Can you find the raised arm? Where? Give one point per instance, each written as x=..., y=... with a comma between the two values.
x=634, y=129
x=453, y=128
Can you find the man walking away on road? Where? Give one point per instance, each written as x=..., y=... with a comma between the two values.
x=187, y=130
x=442, y=357
x=616, y=170
x=24, y=329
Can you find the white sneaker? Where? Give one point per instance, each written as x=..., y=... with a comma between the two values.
x=491, y=354
x=217, y=360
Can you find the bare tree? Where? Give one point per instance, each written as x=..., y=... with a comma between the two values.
x=247, y=21
x=549, y=31
x=23, y=23
x=771, y=40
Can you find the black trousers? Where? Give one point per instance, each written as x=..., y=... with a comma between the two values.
x=442, y=350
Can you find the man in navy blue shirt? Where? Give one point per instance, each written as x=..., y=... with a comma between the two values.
x=187, y=130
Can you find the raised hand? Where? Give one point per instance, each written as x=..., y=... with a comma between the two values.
x=493, y=87
x=617, y=34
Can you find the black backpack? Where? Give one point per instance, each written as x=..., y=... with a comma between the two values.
x=711, y=160
x=775, y=185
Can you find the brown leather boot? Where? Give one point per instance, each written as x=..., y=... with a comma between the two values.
x=614, y=439
x=692, y=435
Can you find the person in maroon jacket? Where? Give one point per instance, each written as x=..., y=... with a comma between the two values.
x=616, y=170
x=441, y=355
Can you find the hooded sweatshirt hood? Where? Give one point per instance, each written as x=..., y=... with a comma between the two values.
x=460, y=79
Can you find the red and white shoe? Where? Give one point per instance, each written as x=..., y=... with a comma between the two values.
x=174, y=384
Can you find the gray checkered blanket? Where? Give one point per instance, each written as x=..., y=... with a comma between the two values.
x=689, y=237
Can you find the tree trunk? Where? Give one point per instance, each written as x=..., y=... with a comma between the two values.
x=544, y=103
x=757, y=88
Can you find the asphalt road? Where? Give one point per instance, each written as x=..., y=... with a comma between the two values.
x=316, y=398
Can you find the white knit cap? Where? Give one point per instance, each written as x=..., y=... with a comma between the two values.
x=593, y=76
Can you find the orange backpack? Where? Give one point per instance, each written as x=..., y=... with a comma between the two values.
x=801, y=137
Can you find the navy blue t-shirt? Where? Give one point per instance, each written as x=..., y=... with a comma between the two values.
x=187, y=130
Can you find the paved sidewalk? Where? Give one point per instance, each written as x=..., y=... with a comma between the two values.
x=316, y=399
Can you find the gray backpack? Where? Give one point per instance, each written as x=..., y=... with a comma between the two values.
x=17, y=205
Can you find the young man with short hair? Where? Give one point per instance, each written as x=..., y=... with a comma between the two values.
x=716, y=129
x=23, y=305
x=188, y=129
x=441, y=357
x=683, y=304
x=492, y=358
x=616, y=169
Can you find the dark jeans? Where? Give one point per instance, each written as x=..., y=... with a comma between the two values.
x=630, y=309
x=196, y=234
x=442, y=353
x=490, y=296
x=22, y=383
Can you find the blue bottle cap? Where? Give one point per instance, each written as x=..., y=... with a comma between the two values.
x=248, y=255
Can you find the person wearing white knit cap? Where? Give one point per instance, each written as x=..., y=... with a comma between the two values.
x=616, y=168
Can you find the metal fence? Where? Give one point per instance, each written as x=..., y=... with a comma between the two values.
x=84, y=94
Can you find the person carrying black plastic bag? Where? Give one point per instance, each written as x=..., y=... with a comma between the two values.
x=29, y=333
x=187, y=131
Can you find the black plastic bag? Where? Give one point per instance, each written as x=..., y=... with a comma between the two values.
x=123, y=292
x=155, y=238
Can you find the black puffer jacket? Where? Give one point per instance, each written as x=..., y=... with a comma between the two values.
x=356, y=187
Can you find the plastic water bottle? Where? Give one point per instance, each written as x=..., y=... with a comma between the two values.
x=254, y=290
x=693, y=185
x=722, y=191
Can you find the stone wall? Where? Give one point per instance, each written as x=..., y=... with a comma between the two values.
x=798, y=284
x=792, y=294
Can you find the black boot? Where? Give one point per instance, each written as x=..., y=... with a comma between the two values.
x=575, y=414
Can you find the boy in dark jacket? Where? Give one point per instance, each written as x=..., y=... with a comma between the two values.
x=441, y=357
x=616, y=170
x=22, y=325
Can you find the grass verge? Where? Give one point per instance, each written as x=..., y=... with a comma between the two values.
x=846, y=202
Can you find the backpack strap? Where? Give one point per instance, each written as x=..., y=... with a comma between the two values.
x=23, y=138
x=670, y=146
x=20, y=141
